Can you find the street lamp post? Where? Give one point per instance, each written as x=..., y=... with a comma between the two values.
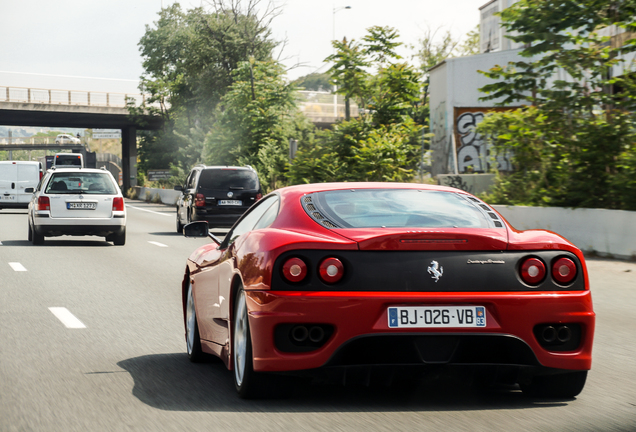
x=333, y=28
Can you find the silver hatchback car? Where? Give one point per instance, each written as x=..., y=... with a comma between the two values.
x=77, y=201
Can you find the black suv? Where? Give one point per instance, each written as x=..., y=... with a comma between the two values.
x=217, y=194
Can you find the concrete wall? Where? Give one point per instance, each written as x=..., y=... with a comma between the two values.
x=609, y=233
x=168, y=196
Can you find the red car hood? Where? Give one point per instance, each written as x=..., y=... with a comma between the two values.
x=449, y=239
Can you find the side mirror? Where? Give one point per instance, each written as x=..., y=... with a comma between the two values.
x=29, y=190
x=199, y=229
x=178, y=188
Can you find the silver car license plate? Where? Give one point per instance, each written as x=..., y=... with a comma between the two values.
x=81, y=206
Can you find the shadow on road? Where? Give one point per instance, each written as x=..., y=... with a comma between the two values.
x=171, y=382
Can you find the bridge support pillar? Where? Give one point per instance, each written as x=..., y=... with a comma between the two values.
x=129, y=157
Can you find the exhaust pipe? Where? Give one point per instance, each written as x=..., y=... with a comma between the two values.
x=549, y=334
x=564, y=334
x=316, y=334
x=300, y=333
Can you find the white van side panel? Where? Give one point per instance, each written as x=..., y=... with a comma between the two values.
x=15, y=177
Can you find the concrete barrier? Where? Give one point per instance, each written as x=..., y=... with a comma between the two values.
x=609, y=233
x=167, y=196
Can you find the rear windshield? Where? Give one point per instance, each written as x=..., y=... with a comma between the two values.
x=68, y=160
x=396, y=208
x=80, y=182
x=228, y=179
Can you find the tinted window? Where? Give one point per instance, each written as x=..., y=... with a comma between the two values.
x=397, y=208
x=68, y=160
x=250, y=219
x=81, y=182
x=228, y=179
x=269, y=216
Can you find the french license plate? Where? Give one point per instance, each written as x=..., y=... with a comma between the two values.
x=7, y=197
x=230, y=202
x=437, y=316
x=81, y=206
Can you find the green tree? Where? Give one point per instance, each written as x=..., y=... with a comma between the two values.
x=189, y=59
x=576, y=138
x=313, y=81
x=256, y=119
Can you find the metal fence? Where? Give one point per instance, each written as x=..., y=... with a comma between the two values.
x=68, y=97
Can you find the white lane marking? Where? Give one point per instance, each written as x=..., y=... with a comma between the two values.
x=17, y=266
x=149, y=211
x=67, y=318
x=158, y=244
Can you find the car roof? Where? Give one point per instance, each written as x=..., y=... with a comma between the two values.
x=82, y=170
x=247, y=168
x=322, y=187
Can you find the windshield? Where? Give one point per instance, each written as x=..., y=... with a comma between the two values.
x=397, y=208
x=81, y=182
x=228, y=179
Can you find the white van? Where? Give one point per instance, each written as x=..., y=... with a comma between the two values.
x=15, y=176
x=68, y=160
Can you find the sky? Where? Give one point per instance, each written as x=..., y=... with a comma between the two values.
x=91, y=45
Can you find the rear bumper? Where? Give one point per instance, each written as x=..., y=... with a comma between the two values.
x=217, y=220
x=361, y=334
x=51, y=227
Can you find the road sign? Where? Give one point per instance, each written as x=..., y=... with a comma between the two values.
x=107, y=133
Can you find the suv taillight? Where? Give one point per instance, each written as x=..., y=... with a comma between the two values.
x=118, y=204
x=259, y=196
x=44, y=203
x=199, y=200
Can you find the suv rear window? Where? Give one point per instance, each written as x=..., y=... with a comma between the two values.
x=80, y=182
x=394, y=208
x=228, y=179
x=68, y=160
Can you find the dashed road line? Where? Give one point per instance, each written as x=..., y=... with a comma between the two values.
x=157, y=244
x=67, y=318
x=149, y=211
x=16, y=266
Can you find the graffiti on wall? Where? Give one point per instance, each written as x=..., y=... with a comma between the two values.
x=473, y=150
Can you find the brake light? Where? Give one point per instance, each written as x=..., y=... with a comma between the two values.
x=118, y=204
x=294, y=270
x=564, y=270
x=44, y=203
x=41, y=175
x=331, y=270
x=532, y=271
x=259, y=196
x=199, y=200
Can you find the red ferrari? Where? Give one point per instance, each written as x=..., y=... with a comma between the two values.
x=384, y=280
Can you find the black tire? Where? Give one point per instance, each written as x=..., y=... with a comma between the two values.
x=36, y=238
x=193, y=340
x=248, y=383
x=179, y=224
x=119, y=239
x=30, y=235
x=566, y=385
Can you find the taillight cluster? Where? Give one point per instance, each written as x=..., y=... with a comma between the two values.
x=533, y=271
x=118, y=204
x=330, y=270
x=199, y=200
x=44, y=203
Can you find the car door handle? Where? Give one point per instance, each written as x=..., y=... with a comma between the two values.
x=12, y=185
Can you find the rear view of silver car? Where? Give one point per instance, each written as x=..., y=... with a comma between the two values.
x=77, y=202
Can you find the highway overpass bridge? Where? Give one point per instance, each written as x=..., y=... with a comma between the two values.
x=82, y=109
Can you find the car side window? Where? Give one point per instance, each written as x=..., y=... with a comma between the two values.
x=269, y=216
x=249, y=220
x=190, y=181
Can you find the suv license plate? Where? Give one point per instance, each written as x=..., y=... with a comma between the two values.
x=230, y=202
x=81, y=206
x=436, y=316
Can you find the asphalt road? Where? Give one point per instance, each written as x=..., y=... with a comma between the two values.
x=125, y=367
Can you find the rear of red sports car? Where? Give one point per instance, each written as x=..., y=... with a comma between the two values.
x=414, y=277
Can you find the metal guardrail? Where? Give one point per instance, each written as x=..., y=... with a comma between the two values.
x=68, y=97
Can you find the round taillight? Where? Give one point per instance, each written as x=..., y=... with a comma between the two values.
x=532, y=271
x=564, y=270
x=331, y=270
x=294, y=270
